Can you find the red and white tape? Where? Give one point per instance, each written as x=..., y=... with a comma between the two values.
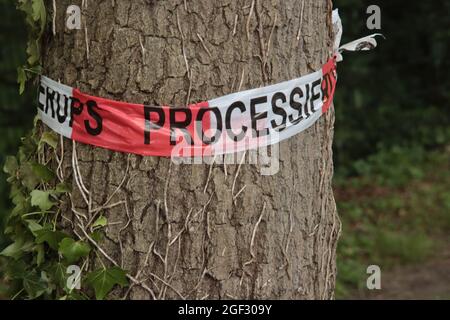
x=232, y=123
x=235, y=122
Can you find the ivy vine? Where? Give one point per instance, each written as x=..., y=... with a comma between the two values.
x=36, y=20
x=36, y=263
x=37, y=260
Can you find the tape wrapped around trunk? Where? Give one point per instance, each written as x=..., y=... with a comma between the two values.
x=232, y=123
x=240, y=121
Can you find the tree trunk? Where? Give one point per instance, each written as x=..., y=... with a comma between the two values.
x=180, y=233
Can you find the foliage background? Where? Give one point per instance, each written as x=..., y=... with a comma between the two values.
x=16, y=111
x=392, y=181
x=391, y=144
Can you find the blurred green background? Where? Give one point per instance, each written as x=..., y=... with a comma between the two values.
x=16, y=112
x=392, y=182
x=391, y=145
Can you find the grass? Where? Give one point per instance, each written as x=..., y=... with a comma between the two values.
x=396, y=212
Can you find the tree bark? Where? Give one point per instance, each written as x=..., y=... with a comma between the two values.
x=277, y=238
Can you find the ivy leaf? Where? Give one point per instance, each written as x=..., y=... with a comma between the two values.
x=59, y=275
x=38, y=9
x=50, y=138
x=63, y=188
x=11, y=165
x=36, y=69
x=52, y=238
x=41, y=199
x=16, y=194
x=33, y=52
x=73, y=250
x=16, y=249
x=97, y=236
x=21, y=208
x=34, y=285
x=32, y=173
x=39, y=14
x=21, y=79
x=105, y=279
x=42, y=172
x=100, y=222
x=34, y=227
x=27, y=149
x=27, y=176
x=40, y=254
x=15, y=269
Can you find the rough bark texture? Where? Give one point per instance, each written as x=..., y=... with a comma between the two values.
x=201, y=242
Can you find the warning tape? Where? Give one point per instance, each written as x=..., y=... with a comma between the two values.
x=240, y=121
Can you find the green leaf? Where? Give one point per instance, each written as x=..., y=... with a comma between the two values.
x=105, y=279
x=26, y=150
x=34, y=285
x=21, y=79
x=42, y=172
x=63, y=188
x=97, y=236
x=32, y=173
x=15, y=269
x=34, y=227
x=16, y=194
x=41, y=199
x=100, y=222
x=33, y=52
x=73, y=250
x=50, y=138
x=38, y=9
x=14, y=250
x=40, y=256
x=36, y=69
x=21, y=208
x=52, y=238
x=38, y=12
x=59, y=275
x=11, y=165
x=17, y=248
x=27, y=176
